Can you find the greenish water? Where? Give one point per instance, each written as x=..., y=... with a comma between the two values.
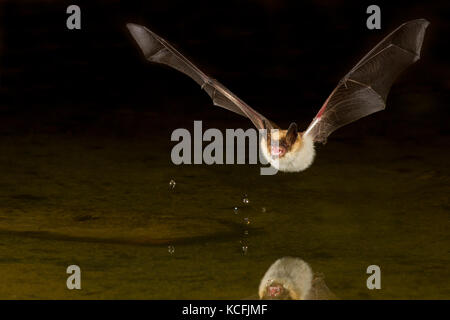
x=106, y=205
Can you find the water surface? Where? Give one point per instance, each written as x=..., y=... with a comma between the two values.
x=105, y=204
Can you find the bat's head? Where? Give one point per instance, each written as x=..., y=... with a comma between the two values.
x=287, y=278
x=280, y=142
x=288, y=150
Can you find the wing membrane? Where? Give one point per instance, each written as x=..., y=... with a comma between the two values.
x=158, y=50
x=364, y=89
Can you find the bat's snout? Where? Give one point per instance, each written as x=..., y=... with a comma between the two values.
x=277, y=151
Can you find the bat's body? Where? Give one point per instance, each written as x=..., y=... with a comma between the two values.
x=291, y=278
x=288, y=154
x=359, y=93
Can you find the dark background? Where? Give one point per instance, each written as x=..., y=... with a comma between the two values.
x=282, y=57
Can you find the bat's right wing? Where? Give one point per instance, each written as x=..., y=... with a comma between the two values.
x=158, y=50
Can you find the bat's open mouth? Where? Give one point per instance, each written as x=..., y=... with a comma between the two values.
x=274, y=290
x=277, y=151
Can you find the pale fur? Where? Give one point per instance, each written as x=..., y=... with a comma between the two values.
x=299, y=158
x=293, y=273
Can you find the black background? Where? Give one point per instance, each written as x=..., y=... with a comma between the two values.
x=174, y=309
x=282, y=57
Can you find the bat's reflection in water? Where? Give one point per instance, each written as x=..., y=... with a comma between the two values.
x=292, y=278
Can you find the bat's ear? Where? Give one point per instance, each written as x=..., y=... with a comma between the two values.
x=292, y=133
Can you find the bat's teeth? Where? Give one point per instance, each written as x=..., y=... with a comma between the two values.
x=276, y=151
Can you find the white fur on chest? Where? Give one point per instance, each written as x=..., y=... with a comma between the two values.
x=292, y=161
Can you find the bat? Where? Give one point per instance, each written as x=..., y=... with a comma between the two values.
x=292, y=278
x=361, y=92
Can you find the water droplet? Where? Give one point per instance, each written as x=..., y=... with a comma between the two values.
x=246, y=220
x=172, y=184
x=171, y=249
x=245, y=199
x=235, y=209
x=244, y=249
x=263, y=209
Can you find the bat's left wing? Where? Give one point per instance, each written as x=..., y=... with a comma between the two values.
x=158, y=50
x=364, y=89
x=319, y=289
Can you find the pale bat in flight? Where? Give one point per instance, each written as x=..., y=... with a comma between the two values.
x=362, y=91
